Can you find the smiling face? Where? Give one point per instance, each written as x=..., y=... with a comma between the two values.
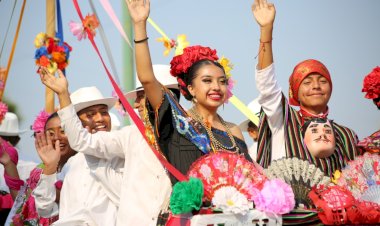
x=55, y=132
x=314, y=93
x=319, y=139
x=139, y=102
x=96, y=118
x=209, y=86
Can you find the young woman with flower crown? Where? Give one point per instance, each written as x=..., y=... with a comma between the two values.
x=24, y=209
x=185, y=136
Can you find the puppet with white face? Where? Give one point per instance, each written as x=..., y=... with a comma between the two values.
x=319, y=137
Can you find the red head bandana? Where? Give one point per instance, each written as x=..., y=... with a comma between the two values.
x=301, y=71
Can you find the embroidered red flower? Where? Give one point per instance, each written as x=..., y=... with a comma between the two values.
x=371, y=84
x=180, y=64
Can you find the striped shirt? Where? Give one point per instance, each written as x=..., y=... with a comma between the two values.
x=345, y=138
x=286, y=137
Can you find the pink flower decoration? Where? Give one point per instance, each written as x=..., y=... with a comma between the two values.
x=119, y=107
x=58, y=184
x=276, y=197
x=78, y=30
x=34, y=177
x=3, y=110
x=40, y=121
x=230, y=86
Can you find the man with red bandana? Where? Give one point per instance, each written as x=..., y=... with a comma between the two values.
x=281, y=127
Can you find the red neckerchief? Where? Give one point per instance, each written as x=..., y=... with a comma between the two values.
x=305, y=115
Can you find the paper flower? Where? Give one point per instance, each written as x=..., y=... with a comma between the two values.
x=78, y=30
x=276, y=197
x=186, y=196
x=3, y=110
x=225, y=62
x=230, y=200
x=51, y=53
x=371, y=84
x=178, y=44
x=40, y=121
x=118, y=106
x=336, y=176
x=90, y=23
x=230, y=86
x=181, y=44
x=40, y=39
x=169, y=44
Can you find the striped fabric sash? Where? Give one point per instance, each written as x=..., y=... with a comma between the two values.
x=345, y=138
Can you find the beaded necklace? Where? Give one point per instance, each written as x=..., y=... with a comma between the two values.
x=216, y=145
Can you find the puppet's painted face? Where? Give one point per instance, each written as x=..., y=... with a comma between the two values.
x=319, y=139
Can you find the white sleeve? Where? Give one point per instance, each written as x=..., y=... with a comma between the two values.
x=44, y=196
x=104, y=145
x=270, y=97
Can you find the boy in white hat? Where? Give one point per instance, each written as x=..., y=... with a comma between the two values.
x=146, y=187
x=85, y=199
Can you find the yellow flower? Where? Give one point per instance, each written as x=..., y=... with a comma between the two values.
x=52, y=67
x=225, y=62
x=39, y=41
x=181, y=44
x=336, y=176
x=168, y=44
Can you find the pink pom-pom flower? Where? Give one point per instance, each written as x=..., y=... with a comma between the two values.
x=40, y=121
x=3, y=110
x=78, y=30
x=276, y=197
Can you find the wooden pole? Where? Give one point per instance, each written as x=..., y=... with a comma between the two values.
x=50, y=31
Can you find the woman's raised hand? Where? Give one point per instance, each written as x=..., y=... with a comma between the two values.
x=139, y=10
x=264, y=13
x=49, y=155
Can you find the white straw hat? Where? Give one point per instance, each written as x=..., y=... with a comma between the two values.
x=162, y=73
x=89, y=96
x=255, y=107
x=9, y=125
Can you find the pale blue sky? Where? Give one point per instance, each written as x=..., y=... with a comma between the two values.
x=344, y=34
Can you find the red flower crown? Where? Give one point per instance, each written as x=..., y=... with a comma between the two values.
x=180, y=64
x=371, y=84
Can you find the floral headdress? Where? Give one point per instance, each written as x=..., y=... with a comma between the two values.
x=371, y=85
x=40, y=121
x=51, y=53
x=180, y=64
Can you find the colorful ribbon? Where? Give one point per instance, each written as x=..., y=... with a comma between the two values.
x=13, y=49
x=244, y=109
x=111, y=13
x=106, y=44
x=9, y=25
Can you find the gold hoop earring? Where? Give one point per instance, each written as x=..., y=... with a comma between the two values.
x=194, y=100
